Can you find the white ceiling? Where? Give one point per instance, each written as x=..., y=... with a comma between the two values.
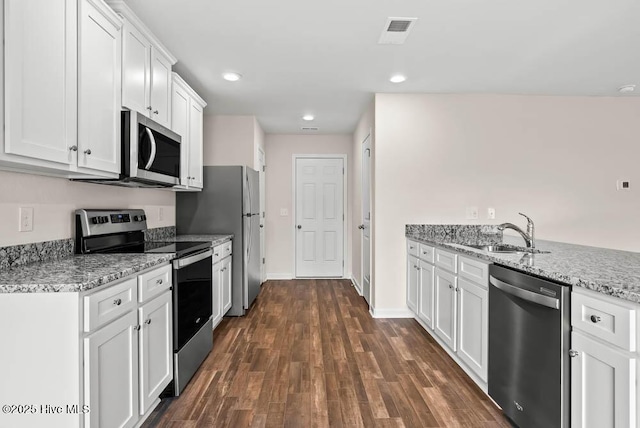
x=322, y=57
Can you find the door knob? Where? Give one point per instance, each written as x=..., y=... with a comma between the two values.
x=299, y=226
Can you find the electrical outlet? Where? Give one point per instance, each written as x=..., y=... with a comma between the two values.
x=491, y=213
x=472, y=213
x=160, y=214
x=26, y=219
x=623, y=185
x=284, y=212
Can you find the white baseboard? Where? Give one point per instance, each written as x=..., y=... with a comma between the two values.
x=391, y=313
x=279, y=276
x=357, y=286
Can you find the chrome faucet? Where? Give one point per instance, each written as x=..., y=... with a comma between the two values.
x=529, y=235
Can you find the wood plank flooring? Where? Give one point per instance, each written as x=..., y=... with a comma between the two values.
x=309, y=354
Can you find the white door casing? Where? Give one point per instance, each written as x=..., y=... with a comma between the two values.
x=261, y=174
x=366, y=219
x=319, y=216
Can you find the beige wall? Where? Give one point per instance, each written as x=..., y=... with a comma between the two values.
x=229, y=140
x=279, y=150
x=555, y=158
x=364, y=127
x=54, y=200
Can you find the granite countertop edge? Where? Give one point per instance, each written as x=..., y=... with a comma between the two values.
x=607, y=288
x=110, y=271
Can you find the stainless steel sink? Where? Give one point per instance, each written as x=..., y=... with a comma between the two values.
x=505, y=248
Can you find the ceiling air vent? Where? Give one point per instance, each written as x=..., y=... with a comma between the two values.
x=396, y=30
x=309, y=128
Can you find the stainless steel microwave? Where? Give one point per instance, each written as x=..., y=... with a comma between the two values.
x=150, y=154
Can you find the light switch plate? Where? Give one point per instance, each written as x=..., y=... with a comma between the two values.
x=472, y=213
x=284, y=212
x=26, y=219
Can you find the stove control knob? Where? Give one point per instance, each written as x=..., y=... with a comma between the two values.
x=144, y=216
x=94, y=220
x=135, y=218
x=104, y=219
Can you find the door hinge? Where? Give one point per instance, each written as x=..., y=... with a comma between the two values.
x=263, y=260
x=264, y=167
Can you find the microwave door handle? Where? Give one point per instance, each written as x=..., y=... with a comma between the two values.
x=153, y=149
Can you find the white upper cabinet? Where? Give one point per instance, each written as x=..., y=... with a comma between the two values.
x=146, y=68
x=40, y=79
x=187, y=121
x=99, y=41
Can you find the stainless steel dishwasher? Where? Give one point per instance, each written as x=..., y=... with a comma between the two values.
x=529, y=333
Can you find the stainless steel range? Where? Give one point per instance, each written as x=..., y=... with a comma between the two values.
x=122, y=231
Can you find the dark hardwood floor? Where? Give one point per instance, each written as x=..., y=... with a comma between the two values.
x=309, y=354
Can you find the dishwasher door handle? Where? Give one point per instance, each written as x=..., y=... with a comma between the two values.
x=527, y=295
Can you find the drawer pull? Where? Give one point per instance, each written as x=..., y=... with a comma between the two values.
x=411, y=247
x=451, y=286
x=148, y=321
x=573, y=353
x=159, y=281
x=595, y=319
x=117, y=302
x=215, y=254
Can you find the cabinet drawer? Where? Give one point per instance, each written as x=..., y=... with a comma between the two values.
x=474, y=270
x=226, y=249
x=412, y=248
x=218, y=253
x=153, y=283
x=446, y=260
x=107, y=305
x=426, y=253
x=614, y=323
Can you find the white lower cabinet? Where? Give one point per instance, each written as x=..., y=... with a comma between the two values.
x=111, y=374
x=604, y=364
x=155, y=349
x=445, y=307
x=222, y=281
x=452, y=304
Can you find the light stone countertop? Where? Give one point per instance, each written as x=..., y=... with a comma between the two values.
x=612, y=272
x=76, y=273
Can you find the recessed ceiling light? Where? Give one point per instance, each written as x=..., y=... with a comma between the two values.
x=308, y=117
x=397, y=78
x=626, y=89
x=232, y=77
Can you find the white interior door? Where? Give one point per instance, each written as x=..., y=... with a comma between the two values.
x=319, y=217
x=366, y=219
x=261, y=172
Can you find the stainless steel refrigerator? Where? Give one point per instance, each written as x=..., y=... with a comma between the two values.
x=228, y=203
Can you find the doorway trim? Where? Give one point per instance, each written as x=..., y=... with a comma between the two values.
x=360, y=286
x=345, y=207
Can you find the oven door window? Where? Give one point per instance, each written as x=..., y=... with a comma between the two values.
x=158, y=153
x=192, y=300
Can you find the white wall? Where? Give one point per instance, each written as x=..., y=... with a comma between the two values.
x=279, y=150
x=364, y=127
x=54, y=201
x=556, y=159
x=229, y=140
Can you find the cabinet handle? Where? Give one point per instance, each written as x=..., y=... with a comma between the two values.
x=136, y=327
x=117, y=302
x=73, y=148
x=148, y=321
x=215, y=254
x=149, y=108
x=155, y=112
x=595, y=319
x=159, y=281
x=451, y=286
x=87, y=152
x=573, y=353
x=411, y=247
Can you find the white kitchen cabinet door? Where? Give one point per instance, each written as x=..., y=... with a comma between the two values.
x=226, y=283
x=473, y=326
x=40, y=79
x=111, y=374
x=160, y=91
x=180, y=105
x=603, y=387
x=195, y=144
x=413, y=279
x=156, y=349
x=216, y=294
x=99, y=88
x=445, y=307
x=136, y=69
x=426, y=293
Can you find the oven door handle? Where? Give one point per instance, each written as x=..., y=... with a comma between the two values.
x=186, y=261
x=523, y=294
